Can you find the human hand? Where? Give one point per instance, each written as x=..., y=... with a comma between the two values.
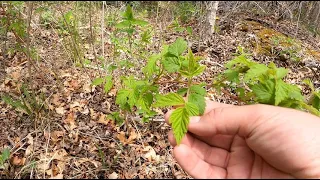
x=253, y=141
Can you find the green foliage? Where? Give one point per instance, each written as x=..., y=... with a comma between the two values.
x=4, y=157
x=142, y=95
x=69, y=30
x=129, y=22
x=186, y=11
x=315, y=95
x=106, y=81
x=170, y=99
x=266, y=84
x=286, y=47
x=46, y=16
x=180, y=118
x=179, y=28
x=115, y=116
x=28, y=103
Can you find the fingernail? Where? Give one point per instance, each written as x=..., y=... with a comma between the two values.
x=194, y=119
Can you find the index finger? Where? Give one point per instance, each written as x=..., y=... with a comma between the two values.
x=210, y=105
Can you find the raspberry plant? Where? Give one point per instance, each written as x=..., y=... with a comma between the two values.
x=252, y=82
x=258, y=83
x=143, y=94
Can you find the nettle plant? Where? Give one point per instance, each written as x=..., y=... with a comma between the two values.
x=142, y=95
x=254, y=82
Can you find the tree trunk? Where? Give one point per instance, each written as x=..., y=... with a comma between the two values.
x=212, y=7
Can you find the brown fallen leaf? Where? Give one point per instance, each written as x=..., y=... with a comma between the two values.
x=83, y=160
x=56, y=136
x=60, y=110
x=75, y=104
x=70, y=120
x=29, y=149
x=86, y=88
x=122, y=137
x=151, y=154
x=56, y=99
x=15, y=75
x=103, y=119
x=74, y=84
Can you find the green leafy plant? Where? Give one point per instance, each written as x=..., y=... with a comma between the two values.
x=28, y=103
x=186, y=11
x=68, y=28
x=106, y=81
x=315, y=94
x=12, y=21
x=142, y=95
x=4, y=157
x=179, y=28
x=285, y=47
x=265, y=84
x=129, y=24
x=46, y=17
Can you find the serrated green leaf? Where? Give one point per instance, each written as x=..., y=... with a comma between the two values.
x=311, y=109
x=281, y=73
x=170, y=99
x=139, y=22
x=272, y=65
x=179, y=120
x=281, y=92
x=198, y=89
x=128, y=15
x=130, y=82
x=171, y=64
x=108, y=84
x=198, y=71
x=294, y=92
x=199, y=101
x=315, y=100
x=192, y=109
x=232, y=75
x=145, y=101
x=255, y=71
x=178, y=47
x=242, y=60
x=133, y=97
x=97, y=81
x=182, y=91
x=264, y=92
x=122, y=97
x=123, y=24
x=8, y=100
x=151, y=65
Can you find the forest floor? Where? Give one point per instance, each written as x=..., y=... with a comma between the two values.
x=74, y=139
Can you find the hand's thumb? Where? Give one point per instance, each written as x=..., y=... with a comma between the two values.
x=228, y=120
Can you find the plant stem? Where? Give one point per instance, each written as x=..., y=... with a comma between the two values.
x=130, y=43
x=189, y=85
x=93, y=37
x=30, y=7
